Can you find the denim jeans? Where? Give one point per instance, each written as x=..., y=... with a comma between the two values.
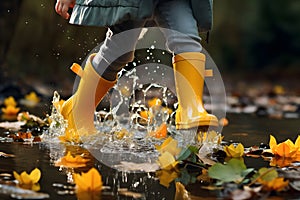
x=174, y=18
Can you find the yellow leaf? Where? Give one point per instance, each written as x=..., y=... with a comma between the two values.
x=89, y=181
x=167, y=161
x=277, y=184
x=166, y=176
x=297, y=142
x=71, y=161
x=10, y=101
x=209, y=137
x=273, y=142
x=28, y=179
x=80, y=183
x=285, y=149
x=17, y=176
x=234, y=151
x=169, y=145
x=32, y=97
x=10, y=110
x=289, y=143
x=35, y=187
x=35, y=175
x=25, y=178
x=281, y=161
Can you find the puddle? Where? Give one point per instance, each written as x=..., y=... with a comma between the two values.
x=123, y=151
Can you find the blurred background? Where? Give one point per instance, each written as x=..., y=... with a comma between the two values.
x=252, y=42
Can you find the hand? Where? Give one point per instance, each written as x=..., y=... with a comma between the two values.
x=62, y=7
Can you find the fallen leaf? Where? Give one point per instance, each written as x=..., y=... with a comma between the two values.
x=32, y=97
x=277, y=184
x=167, y=176
x=233, y=171
x=70, y=161
x=286, y=148
x=169, y=145
x=10, y=101
x=161, y=132
x=267, y=174
x=89, y=181
x=234, y=151
x=10, y=110
x=167, y=161
x=29, y=181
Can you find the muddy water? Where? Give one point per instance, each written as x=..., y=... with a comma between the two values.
x=247, y=129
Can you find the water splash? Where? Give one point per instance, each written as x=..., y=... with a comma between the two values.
x=58, y=124
x=123, y=134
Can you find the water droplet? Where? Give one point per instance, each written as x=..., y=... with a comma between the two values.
x=26, y=22
x=158, y=61
x=148, y=58
x=152, y=47
x=8, y=11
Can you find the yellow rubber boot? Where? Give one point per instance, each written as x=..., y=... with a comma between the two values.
x=79, y=109
x=189, y=70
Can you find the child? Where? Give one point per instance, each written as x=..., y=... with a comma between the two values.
x=179, y=20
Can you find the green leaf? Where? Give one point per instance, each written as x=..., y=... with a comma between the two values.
x=247, y=171
x=186, y=177
x=184, y=154
x=193, y=149
x=234, y=171
x=267, y=174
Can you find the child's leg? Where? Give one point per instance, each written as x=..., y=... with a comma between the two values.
x=176, y=16
x=98, y=76
x=182, y=37
x=117, y=49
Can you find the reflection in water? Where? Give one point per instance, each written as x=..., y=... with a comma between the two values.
x=57, y=182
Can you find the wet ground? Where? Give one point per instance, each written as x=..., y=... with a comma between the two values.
x=252, y=114
x=246, y=128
